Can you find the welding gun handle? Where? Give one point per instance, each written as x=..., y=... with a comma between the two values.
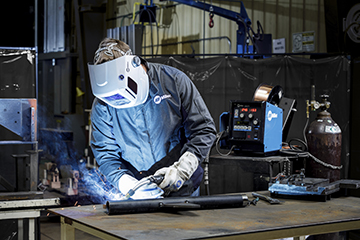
x=157, y=179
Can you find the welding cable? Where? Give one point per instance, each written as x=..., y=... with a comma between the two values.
x=150, y=22
x=157, y=31
x=151, y=16
x=206, y=163
x=304, y=130
x=295, y=150
x=218, y=138
x=257, y=36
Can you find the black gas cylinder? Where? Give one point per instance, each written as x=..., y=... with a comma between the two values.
x=324, y=142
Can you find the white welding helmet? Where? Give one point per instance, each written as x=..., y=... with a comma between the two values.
x=121, y=83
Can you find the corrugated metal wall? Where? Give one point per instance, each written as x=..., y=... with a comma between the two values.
x=182, y=23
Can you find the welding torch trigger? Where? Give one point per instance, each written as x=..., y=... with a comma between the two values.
x=156, y=179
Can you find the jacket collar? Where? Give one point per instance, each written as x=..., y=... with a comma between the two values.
x=153, y=80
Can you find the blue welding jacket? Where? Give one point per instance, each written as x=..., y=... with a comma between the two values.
x=134, y=139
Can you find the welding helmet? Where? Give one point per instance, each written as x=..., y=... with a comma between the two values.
x=121, y=83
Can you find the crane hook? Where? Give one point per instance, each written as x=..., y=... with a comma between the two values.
x=211, y=23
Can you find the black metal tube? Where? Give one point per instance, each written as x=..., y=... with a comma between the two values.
x=176, y=203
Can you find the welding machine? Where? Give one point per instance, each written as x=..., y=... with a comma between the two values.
x=252, y=127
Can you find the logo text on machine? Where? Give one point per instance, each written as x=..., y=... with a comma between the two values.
x=271, y=115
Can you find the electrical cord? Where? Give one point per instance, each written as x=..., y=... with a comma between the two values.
x=217, y=145
x=151, y=16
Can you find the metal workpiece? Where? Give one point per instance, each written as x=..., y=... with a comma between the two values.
x=267, y=198
x=177, y=204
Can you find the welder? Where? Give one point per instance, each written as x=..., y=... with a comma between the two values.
x=147, y=119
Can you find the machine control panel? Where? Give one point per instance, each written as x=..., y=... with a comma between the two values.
x=246, y=120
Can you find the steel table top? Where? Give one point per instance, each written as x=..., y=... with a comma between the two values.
x=262, y=221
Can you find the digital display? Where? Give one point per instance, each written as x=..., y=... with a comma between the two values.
x=252, y=110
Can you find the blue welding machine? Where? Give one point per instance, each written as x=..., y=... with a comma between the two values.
x=253, y=127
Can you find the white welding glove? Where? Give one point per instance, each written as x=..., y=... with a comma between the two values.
x=179, y=172
x=148, y=191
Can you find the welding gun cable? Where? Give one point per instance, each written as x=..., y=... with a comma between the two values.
x=141, y=183
x=150, y=179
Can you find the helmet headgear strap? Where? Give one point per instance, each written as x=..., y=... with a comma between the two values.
x=109, y=51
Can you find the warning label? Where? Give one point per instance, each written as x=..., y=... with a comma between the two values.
x=304, y=42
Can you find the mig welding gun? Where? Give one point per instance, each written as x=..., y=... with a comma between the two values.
x=146, y=188
x=168, y=178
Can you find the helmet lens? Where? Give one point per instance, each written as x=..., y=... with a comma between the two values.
x=132, y=85
x=117, y=100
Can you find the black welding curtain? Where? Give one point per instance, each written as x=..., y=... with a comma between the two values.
x=221, y=79
x=17, y=74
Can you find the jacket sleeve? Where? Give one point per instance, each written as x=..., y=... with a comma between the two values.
x=199, y=126
x=103, y=144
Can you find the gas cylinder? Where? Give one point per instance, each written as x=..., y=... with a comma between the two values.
x=324, y=142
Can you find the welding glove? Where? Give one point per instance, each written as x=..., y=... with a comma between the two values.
x=148, y=191
x=178, y=173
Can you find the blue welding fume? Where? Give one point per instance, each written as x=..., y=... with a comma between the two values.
x=254, y=127
x=261, y=42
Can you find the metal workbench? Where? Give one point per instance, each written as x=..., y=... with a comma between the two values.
x=25, y=209
x=293, y=218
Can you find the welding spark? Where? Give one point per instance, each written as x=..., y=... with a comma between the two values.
x=99, y=187
x=47, y=214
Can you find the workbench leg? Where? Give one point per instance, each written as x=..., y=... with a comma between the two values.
x=20, y=228
x=31, y=228
x=67, y=231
